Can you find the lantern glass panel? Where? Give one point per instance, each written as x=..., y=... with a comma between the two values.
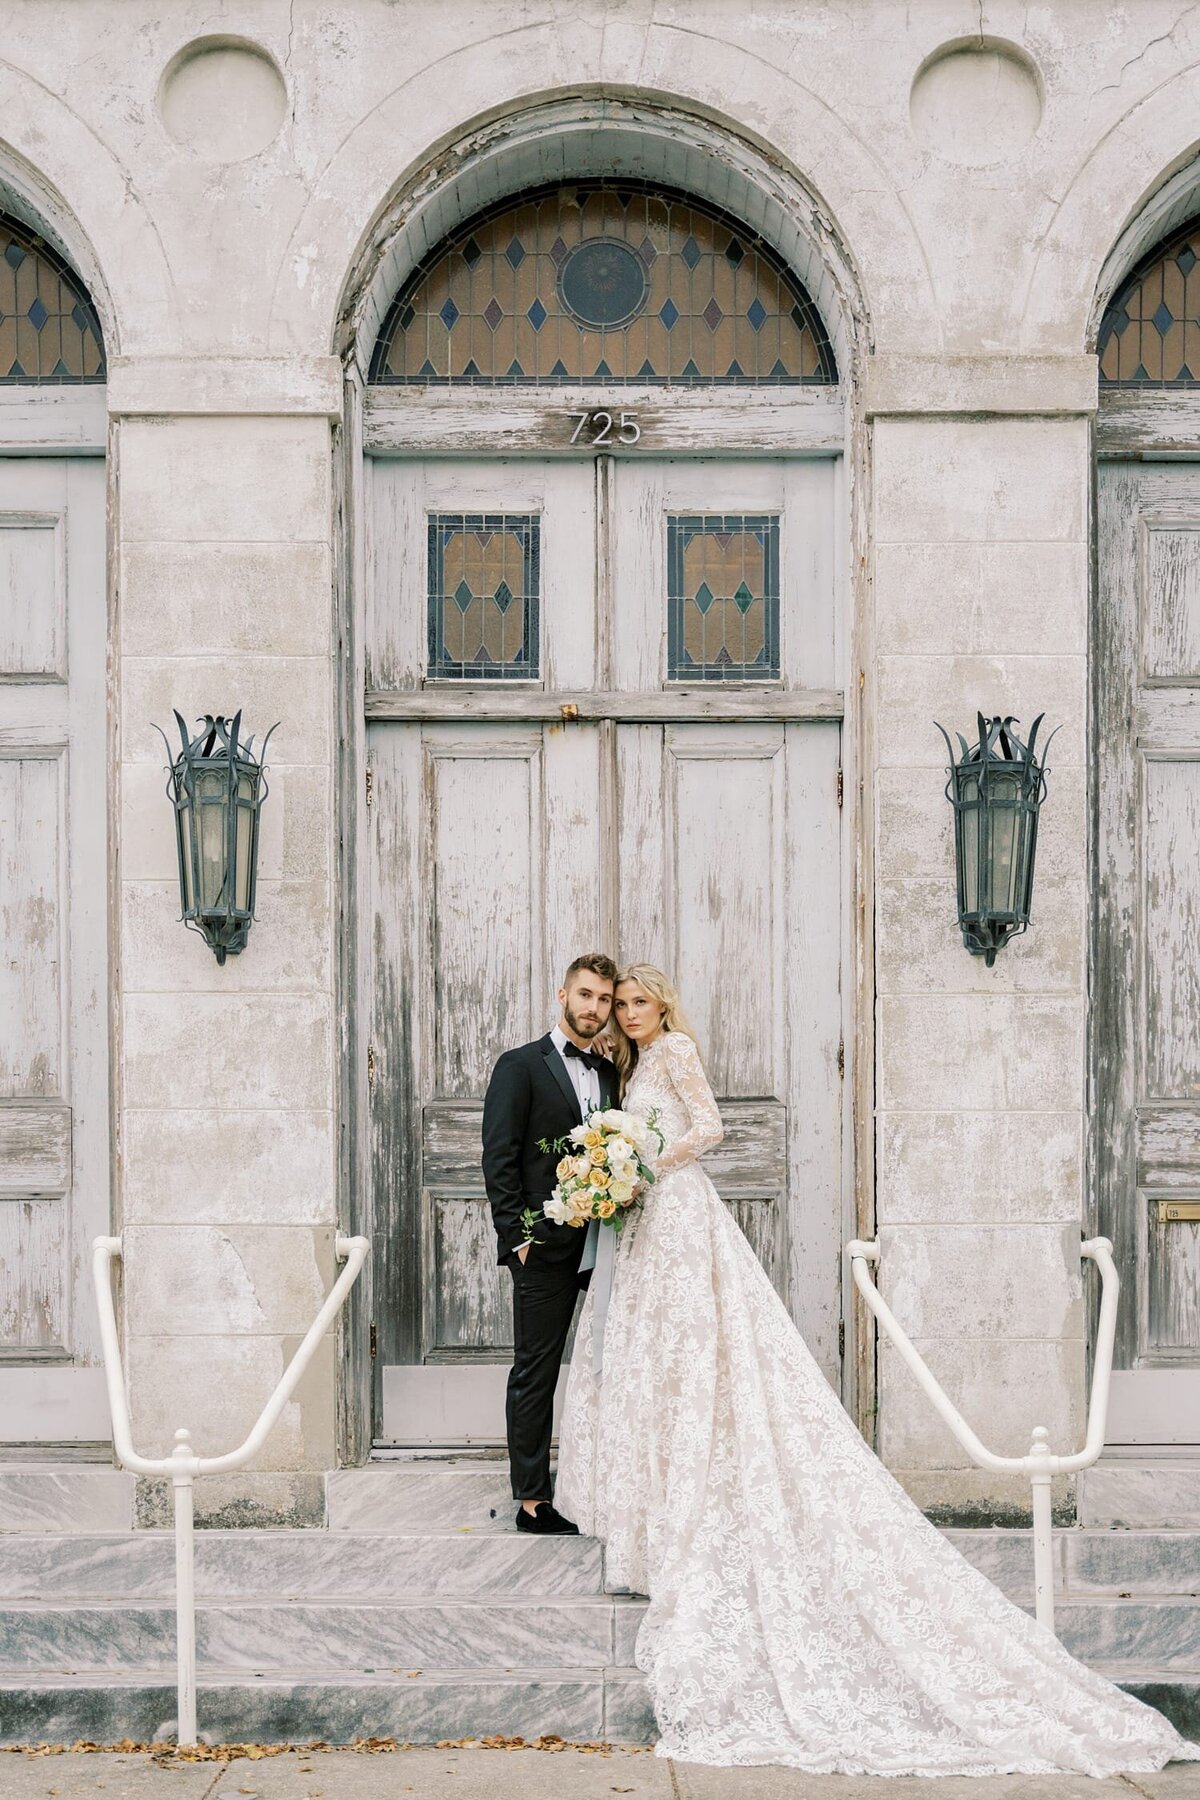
x=1004, y=818
x=211, y=810
x=245, y=826
x=185, y=820
x=969, y=826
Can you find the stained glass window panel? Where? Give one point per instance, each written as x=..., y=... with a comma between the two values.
x=48, y=328
x=1150, y=334
x=484, y=596
x=599, y=284
x=722, y=597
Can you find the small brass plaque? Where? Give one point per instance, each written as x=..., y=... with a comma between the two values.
x=1171, y=1210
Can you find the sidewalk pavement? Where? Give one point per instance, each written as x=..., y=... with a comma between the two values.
x=474, y=1773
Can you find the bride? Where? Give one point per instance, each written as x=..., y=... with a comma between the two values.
x=802, y=1610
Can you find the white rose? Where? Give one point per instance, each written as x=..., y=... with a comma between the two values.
x=579, y=1133
x=619, y=1151
x=561, y=1211
x=614, y=1118
x=621, y=1192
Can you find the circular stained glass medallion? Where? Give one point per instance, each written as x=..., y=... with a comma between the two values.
x=603, y=283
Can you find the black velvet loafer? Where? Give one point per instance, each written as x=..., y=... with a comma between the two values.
x=545, y=1522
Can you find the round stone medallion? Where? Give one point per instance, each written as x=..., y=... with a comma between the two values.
x=976, y=102
x=603, y=283
x=224, y=98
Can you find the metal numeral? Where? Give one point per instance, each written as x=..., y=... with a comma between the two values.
x=598, y=425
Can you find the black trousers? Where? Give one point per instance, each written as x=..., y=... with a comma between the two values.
x=544, y=1297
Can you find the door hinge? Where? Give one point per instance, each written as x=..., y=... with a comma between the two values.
x=370, y=1065
x=374, y=1341
x=841, y=1056
x=840, y=787
x=841, y=1338
x=370, y=786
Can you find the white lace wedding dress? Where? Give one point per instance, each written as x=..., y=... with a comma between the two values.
x=802, y=1610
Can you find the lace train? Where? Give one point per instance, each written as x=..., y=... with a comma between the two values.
x=802, y=1610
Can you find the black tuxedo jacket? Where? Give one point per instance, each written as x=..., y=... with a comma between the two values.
x=530, y=1096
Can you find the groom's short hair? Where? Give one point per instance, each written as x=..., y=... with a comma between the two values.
x=597, y=962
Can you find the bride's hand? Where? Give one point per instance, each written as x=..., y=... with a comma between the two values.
x=604, y=1043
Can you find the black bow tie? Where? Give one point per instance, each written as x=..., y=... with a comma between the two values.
x=586, y=1057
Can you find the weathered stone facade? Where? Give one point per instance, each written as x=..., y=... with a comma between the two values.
x=974, y=213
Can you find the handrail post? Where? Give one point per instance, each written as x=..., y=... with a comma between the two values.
x=182, y=1479
x=1043, y=1527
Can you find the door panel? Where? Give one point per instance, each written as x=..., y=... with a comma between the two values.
x=54, y=1151
x=503, y=845
x=1147, y=986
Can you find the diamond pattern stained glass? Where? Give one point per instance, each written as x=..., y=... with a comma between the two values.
x=591, y=284
x=1150, y=335
x=483, y=596
x=48, y=329
x=722, y=597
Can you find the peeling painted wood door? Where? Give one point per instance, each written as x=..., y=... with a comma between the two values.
x=54, y=1142
x=500, y=846
x=1147, y=971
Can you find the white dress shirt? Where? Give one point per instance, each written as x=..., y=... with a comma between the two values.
x=585, y=1081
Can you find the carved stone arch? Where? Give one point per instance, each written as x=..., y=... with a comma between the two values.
x=1162, y=219
x=45, y=224
x=588, y=137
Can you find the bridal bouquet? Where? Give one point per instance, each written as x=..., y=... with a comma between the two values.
x=603, y=1165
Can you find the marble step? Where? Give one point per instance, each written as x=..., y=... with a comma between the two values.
x=246, y=1565
x=1157, y=1634
x=295, y=1707
x=610, y=1705
x=317, y=1564
x=65, y=1497
x=1129, y=1563
x=392, y=1497
x=1141, y=1493
x=356, y=1637
x=1160, y=1634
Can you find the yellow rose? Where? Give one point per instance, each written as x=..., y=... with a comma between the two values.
x=591, y=1139
x=599, y=1178
x=600, y=1156
x=566, y=1168
x=606, y=1208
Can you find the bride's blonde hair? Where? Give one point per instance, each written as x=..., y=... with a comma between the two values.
x=660, y=987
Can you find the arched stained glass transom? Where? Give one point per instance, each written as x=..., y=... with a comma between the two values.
x=1150, y=334
x=603, y=283
x=48, y=326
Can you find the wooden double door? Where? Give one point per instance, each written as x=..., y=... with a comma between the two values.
x=54, y=994
x=640, y=754
x=1147, y=966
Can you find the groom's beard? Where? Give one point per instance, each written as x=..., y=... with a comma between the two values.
x=584, y=1028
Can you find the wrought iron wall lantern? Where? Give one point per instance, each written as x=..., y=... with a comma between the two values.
x=217, y=786
x=996, y=788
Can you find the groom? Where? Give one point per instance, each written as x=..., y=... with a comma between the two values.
x=537, y=1094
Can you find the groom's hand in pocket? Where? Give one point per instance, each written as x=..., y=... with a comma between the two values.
x=522, y=1252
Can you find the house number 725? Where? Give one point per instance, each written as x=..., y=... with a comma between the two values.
x=599, y=427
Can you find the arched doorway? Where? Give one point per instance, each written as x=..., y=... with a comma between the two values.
x=1146, y=696
x=604, y=649
x=54, y=1095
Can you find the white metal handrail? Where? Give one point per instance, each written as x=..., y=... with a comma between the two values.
x=1040, y=1463
x=183, y=1465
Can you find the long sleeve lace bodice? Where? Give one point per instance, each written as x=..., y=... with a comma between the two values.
x=669, y=1081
